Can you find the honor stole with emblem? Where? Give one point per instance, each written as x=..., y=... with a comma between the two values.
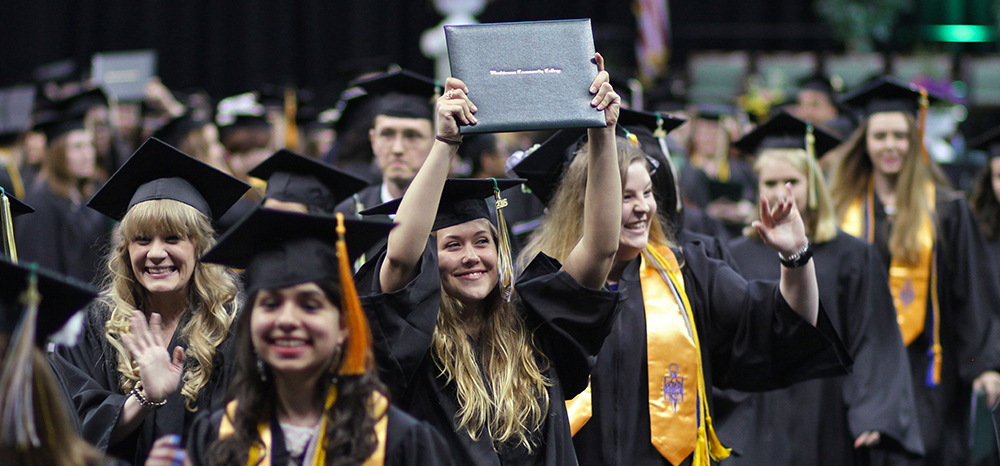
x=260, y=452
x=679, y=419
x=909, y=282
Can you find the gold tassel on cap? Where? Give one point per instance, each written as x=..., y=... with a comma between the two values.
x=17, y=417
x=7, y=227
x=813, y=202
x=358, y=349
x=505, y=266
x=924, y=103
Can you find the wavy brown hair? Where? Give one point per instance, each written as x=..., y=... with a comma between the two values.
x=350, y=428
x=985, y=205
x=853, y=171
x=211, y=295
x=562, y=227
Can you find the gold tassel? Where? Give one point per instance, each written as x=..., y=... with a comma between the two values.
x=291, y=129
x=505, y=265
x=357, y=352
x=7, y=225
x=924, y=103
x=813, y=202
x=17, y=419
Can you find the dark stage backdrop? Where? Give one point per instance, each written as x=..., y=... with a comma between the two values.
x=230, y=46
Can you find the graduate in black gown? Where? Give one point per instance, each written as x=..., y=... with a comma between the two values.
x=136, y=381
x=832, y=421
x=890, y=194
x=37, y=425
x=985, y=201
x=745, y=335
x=63, y=235
x=305, y=390
x=488, y=361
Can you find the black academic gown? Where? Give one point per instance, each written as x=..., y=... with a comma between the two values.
x=698, y=221
x=751, y=339
x=408, y=442
x=61, y=236
x=98, y=398
x=815, y=422
x=570, y=323
x=970, y=332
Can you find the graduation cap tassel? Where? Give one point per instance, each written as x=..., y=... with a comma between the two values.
x=291, y=129
x=811, y=160
x=17, y=420
x=661, y=137
x=357, y=350
x=924, y=103
x=7, y=226
x=505, y=264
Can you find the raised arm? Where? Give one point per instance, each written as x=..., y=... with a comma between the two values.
x=782, y=229
x=590, y=260
x=415, y=216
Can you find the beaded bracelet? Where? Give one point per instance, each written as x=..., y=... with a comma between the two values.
x=143, y=401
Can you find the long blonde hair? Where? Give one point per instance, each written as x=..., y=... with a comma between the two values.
x=822, y=225
x=212, y=298
x=501, y=393
x=853, y=173
x=562, y=226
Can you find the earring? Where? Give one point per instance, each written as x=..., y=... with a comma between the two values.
x=261, y=370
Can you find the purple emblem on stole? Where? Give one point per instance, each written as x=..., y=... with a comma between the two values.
x=673, y=386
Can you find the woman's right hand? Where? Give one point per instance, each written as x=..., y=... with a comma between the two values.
x=159, y=372
x=453, y=107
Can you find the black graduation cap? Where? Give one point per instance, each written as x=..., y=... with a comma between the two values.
x=61, y=297
x=86, y=100
x=713, y=111
x=177, y=129
x=296, y=178
x=784, y=131
x=159, y=171
x=57, y=71
x=462, y=200
x=16, y=206
x=887, y=94
x=820, y=83
x=401, y=93
x=543, y=166
x=279, y=248
x=57, y=121
x=16, y=105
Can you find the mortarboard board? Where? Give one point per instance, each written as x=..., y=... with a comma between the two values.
x=177, y=129
x=988, y=142
x=295, y=178
x=86, y=100
x=886, y=94
x=278, y=249
x=784, y=131
x=57, y=71
x=159, y=171
x=401, y=94
x=819, y=83
x=462, y=200
x=61, y=297
x=543, y=165
x=56, y=122
x=17, y=207
x=16, y=105
x=711, y=111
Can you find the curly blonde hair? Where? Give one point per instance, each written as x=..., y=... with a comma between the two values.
x=212, y=298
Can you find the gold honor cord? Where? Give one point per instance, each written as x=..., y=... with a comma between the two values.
x=17, y=419
x=813, y=201
x=7, y=227
x=505, y=265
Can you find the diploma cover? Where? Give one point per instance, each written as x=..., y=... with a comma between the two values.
x=526, y=76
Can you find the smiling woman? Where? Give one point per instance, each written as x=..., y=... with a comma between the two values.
x=159, y=335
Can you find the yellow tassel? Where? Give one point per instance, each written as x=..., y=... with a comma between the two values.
x=7, y=227
x=924, y=103
x=719, y=452
x=813, y=201
x=505, y=264
x=357, y=351
x=701, y=457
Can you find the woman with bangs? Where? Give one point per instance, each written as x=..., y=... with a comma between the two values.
x=687, y=322
x=890, y=194
x=155, y=349
x=855, y=419
x=461, y=344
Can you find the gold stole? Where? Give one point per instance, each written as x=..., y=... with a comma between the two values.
x=678, y=409
x=909, y=282
x=260, y=452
